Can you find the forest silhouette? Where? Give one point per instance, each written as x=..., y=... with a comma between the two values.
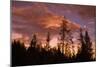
x=36, y=55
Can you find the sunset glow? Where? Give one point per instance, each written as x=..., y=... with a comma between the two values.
x=44, y=33
x=53, y=42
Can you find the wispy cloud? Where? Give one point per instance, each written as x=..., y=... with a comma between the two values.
x=33, y=17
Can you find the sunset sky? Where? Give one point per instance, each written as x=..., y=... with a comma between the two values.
x=39, y=18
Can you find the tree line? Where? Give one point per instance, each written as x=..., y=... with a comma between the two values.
x=36, y=55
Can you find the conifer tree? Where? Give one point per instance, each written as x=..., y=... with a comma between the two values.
x=85, y=54
x=34, y=41
x=64, y=33
x=88, y=44
x=48, y=41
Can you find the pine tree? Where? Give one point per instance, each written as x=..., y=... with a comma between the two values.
x=88, y=44
x=34, y=41
x=86, y=48
x=64, y=33
x=48, y=41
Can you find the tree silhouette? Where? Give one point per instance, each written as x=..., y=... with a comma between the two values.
x=88, y=45
x=36, y=54
x=18, y=52
x=65, y=34
x=85, y=54
x=48, y=41
x=34, y=41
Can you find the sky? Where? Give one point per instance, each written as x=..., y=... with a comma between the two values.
x=39, y=18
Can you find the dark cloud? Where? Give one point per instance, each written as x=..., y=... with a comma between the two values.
x=88, y=12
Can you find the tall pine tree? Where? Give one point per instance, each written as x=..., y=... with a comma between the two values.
x=64, y=34
x=85, y=54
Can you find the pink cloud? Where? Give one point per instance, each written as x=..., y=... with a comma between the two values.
x=19, y=36
x=16, y=35
x=42, y=16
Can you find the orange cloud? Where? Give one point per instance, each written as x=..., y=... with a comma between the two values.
x=19, y=36
x=72, y=25
x=54, y=22
x=43, y=16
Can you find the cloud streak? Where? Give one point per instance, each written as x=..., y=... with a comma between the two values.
x=33, y=17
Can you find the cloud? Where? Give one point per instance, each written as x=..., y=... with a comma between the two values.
x=29, y=17
x=88, y=11
x=37, y=18
x=16, y=35
x=19, y=36
x=42, y=16
x=55, y=23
